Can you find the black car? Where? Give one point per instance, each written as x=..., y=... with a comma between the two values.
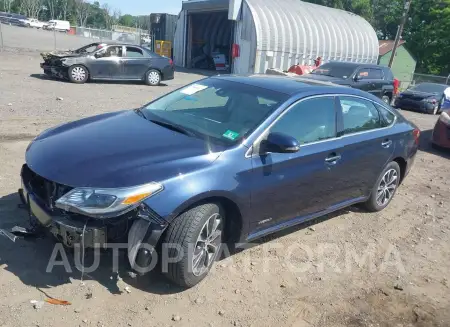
x=424, y=97
x=374, y=79
x=109, y=61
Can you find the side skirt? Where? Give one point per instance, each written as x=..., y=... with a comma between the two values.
x=302, y=219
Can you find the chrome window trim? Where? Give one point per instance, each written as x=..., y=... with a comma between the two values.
x=248, y=153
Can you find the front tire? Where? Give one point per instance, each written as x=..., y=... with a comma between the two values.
x=153, y=77
x=385, y=188
x=198, y=234
x=78, y=74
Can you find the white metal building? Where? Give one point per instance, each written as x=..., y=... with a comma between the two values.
x=271, y=34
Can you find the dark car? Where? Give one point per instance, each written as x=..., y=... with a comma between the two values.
x=441, y=131
x=377, y=80
x=109, y=61
x=224, y=160
x=428, y=98
x=13, y=19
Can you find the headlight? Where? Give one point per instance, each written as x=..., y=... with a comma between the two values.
x=106, y=203
x=430, y=100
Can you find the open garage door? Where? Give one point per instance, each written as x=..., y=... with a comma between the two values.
x=210, y=36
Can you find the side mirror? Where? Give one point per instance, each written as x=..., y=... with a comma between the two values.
x=279, y=143
x=357, y=78
x=98, y=54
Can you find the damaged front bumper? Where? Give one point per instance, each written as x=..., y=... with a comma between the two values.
x=55, y=71
x=141, y=229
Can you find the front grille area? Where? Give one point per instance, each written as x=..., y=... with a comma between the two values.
x=46, y=191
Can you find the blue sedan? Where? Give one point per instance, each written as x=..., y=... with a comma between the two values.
x=225, y=160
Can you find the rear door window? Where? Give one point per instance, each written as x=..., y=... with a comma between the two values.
x=359, y=115
x=133, y=52
x=375, y=73
x=387, y=116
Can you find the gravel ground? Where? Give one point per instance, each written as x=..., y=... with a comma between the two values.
x=311, y=275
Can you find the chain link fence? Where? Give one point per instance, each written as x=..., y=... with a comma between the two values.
x=48, y=40
x=423, y=78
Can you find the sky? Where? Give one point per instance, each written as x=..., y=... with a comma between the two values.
x=145, y=7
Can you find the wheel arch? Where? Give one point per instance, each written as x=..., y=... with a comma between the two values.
x=403, y=165
x=233, y=221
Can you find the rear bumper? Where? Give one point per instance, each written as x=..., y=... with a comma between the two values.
x=441, y=135
x=168, y=73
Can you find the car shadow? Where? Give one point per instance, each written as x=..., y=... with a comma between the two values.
x=55, y=79
x=48, y=78
x=425, y=145
x=29, y=257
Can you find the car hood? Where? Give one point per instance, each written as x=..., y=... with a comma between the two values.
x=325, y=78
x=116, y=150
x=417, y=95
x=61, y=54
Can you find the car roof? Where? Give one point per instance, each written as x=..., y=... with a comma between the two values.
x=290, y=85
x=356, y=64
x=117, y=43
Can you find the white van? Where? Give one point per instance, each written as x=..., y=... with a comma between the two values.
x=58, y=25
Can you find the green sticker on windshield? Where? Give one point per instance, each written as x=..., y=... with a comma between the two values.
x=230, y=135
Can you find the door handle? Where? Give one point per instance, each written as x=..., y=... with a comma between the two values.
x=333, y=158
x=386, y=143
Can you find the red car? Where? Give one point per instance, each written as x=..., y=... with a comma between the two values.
x=441, y=131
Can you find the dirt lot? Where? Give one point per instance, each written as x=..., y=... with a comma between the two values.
x=312, y=275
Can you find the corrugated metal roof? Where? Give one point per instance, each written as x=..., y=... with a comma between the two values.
x=387, y=46
x=306, y=31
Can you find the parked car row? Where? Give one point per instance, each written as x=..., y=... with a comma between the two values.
x=12, y=19
x=23, y=21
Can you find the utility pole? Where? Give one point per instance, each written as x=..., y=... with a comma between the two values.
x=400, y=31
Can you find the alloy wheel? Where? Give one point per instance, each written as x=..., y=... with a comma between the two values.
x=387, y=187
x=153, y=77
x=78, y=74
x=207, y=245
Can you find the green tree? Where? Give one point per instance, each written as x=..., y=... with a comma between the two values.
x=126, y=20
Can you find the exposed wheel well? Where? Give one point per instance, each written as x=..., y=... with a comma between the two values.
x=402, y=163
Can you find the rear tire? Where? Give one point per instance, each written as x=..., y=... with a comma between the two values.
x=188, y=231
x=384, y=189
x=153, y=77
x=386, y=99
x=78, y=74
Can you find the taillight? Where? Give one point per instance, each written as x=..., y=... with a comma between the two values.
x=416, y=134
x=170, y=62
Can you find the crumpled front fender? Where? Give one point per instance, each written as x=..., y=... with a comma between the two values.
x=143, y=237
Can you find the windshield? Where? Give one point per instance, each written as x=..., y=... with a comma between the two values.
x=218, y=109
x=90, y=48
x=338, y=70
x=430, y=88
